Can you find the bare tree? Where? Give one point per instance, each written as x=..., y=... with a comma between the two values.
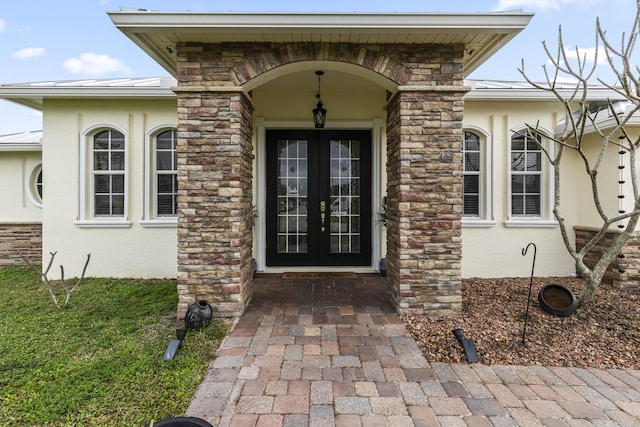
x=581, y=119
x=50, y=284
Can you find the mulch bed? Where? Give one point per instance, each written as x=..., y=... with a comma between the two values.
x=603, y=334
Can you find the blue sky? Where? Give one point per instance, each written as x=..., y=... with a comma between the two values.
x=43, y=40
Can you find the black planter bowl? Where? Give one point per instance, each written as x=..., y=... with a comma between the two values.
x=557, y=300
x=182, y=422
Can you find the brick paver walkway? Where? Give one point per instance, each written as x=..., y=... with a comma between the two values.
x=327, y=352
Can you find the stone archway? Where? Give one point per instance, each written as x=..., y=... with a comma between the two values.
x=424, y=136
x=252, y=70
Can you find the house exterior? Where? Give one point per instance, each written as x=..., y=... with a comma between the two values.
x=219, y=169
x=21, y=191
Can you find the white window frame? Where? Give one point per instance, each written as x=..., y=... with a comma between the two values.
x=86, y=217
x=485, y=217
x=150, y=218
x=545, y=219
x=31, y=184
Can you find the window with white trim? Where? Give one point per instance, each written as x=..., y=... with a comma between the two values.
x=530, y=183
x=108, y=173
x=161, y=180
x=104, y=171
x=34, y=186
x=166, y=174
x=471, y=175
x=526, y=176
x=476, y=179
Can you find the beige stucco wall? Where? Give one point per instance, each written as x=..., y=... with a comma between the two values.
x=495, y=251
x=607, y=181
x=16, y=204
x=135, y=251
x=138, y=251
x=343, y=106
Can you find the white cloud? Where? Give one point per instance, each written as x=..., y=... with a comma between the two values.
x=93, y=64
x=528, y=4
x=29, y=52
x=3, y=25
x=537, y=4
x=588, y=53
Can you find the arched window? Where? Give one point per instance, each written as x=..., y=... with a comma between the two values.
x=103, y=191
x=476, y=179
x=161, y=180
x=471, y=175
x=166, y=174
x=108, y=170
x=530, y=188
x=526, y=176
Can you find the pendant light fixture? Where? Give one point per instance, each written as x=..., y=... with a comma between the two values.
x=319, y=113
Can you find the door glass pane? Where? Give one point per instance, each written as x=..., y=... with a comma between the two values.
x=345, y=196
x=292, y=196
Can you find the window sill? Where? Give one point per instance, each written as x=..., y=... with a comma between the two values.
x=160, y=223
x=103, y=223
x=477, y=223
x=531, y=223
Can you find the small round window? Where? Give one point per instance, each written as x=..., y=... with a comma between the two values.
x=34, y=184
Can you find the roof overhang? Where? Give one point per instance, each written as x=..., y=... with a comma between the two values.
x=33, y=94
x=158, y=33
x=21, y=142
x=20, y=148
x=502, y=90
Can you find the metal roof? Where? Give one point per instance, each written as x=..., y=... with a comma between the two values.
x=24, y=141
x=158, y=33
x=32, y=94
x=512, y=90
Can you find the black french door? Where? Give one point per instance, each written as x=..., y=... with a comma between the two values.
x=318, y=198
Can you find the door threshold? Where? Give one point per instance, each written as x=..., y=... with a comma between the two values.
x=356, y=270
x=319, y=275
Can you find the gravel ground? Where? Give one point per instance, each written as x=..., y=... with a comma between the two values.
x=604, y=334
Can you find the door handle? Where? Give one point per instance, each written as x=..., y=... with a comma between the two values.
x=323, y=208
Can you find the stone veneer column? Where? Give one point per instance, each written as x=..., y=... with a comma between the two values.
x=424, y=197
x=214, y=199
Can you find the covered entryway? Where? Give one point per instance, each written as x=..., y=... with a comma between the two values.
x=318, y=198
x=417, y=62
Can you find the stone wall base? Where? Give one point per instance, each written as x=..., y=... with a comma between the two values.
x=20, y=241
x=624, y=271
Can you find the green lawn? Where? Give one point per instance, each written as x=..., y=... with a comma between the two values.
x=99, y=361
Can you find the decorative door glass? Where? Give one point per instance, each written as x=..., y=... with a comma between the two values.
x=345, y=195
x=318, y=207
x=293, y=200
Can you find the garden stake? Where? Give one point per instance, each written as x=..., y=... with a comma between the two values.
x=533, y=266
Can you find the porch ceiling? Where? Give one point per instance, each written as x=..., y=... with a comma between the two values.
x=158, y=33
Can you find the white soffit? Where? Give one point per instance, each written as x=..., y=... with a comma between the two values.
x=158, y=33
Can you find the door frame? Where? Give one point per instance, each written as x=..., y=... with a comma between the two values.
x=320, y=170
x=260, y=190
